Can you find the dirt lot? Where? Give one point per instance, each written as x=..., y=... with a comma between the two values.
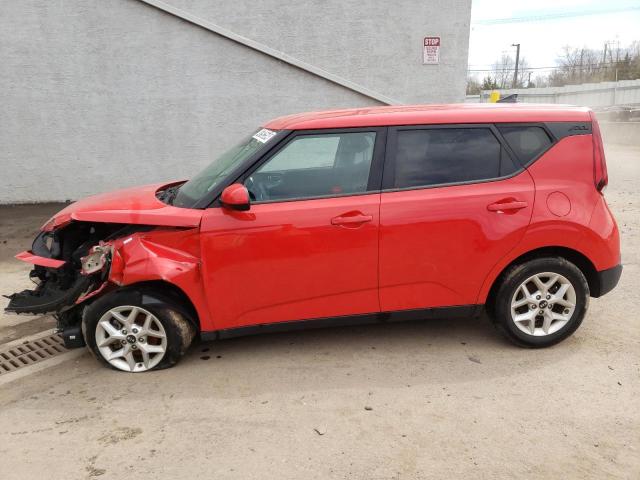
x=438, y=399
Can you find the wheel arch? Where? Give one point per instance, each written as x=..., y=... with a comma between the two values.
x=154, y=291
x=580, y=260
x=162, y=262
x=160, y=299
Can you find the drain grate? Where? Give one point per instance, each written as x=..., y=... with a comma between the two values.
x=30, y=352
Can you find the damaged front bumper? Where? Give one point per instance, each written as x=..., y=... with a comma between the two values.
x=47, y=298
x=59, y=286
x=79, y=262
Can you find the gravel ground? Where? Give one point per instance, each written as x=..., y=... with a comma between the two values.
x=436, y=399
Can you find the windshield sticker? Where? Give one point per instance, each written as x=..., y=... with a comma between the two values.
x=264, y=135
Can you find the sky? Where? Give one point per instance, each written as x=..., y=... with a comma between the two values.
x=544, y=27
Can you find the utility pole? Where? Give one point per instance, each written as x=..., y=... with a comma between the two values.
x=515, y=72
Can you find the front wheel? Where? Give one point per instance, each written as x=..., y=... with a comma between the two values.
x=541, y=302
x=135, y=332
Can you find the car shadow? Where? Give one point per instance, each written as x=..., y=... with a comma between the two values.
x=433, y=351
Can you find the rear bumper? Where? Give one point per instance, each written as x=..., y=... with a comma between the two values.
x=608, y=279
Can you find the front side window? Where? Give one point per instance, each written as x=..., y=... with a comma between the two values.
x=190, y=193
x=448, y=155
x=315, y=166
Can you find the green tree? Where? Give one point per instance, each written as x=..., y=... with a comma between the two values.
x=489, y=83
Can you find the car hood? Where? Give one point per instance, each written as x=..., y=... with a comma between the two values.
x=137, y=206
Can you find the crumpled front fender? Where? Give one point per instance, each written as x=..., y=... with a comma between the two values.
x=172, y=256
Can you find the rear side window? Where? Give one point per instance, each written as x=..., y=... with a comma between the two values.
x=526, y=141
x=448, y=155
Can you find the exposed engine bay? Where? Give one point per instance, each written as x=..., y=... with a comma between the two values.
x=80, y=261
x=131, y=242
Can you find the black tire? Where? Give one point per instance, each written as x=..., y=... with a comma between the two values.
x=500, y=310
x=180, y=331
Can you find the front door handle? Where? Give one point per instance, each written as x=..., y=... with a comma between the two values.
x=351, y=219
x=501, y=207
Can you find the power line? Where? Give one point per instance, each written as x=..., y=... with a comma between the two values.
x=554, y=16
x=555, y=67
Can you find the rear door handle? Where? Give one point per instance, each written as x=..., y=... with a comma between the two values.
x=350, y=220
x=504, y=206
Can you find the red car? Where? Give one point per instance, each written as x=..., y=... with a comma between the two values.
x=342, y=217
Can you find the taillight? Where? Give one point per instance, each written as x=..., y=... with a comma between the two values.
x=600, y=175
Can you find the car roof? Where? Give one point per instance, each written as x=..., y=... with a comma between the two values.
x=431, y=114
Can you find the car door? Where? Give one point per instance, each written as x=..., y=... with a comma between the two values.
x=308, y=246
x=454, y=202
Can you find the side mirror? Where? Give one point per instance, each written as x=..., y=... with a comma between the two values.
x=236, y=197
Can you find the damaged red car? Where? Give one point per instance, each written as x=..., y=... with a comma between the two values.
x=341, y=217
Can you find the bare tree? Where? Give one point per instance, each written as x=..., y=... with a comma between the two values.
x=574, y=66
x=473, y=86
x=504, y=68
x=540, y=81
x=577, y=65
x=583, y=65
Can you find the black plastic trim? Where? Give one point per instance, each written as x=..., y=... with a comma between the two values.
x=607, y=280
x=459, y=311
x=556, y=131
x=560, y=130
x=39, y=246
x=543, y=125
x=73, y=337
x=526, y=163
x=48, y=299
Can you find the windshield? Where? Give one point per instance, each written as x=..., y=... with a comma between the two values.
x=199, y=186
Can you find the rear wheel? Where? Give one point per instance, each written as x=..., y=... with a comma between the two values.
x=135, y=332
x=541, y=302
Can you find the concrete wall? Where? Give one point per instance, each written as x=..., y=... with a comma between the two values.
x=99, y=95
x=603, y=94
x=621, y=133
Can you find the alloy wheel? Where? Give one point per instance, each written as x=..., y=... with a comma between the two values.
x=543, y=304
x=131, y=338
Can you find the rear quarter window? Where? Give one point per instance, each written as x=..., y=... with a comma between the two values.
x=527, y=142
